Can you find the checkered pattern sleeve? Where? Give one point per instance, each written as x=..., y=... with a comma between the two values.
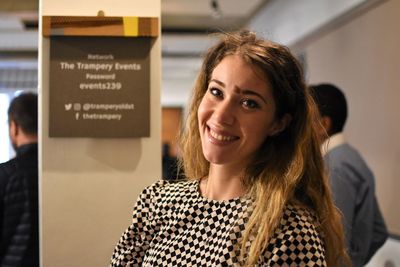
x=134, y=242
x=296, y=242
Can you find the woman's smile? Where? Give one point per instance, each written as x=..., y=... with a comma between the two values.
x=220, y=137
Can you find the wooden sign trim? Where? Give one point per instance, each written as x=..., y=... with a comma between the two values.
x=100, y=26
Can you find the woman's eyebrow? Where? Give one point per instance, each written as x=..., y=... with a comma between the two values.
x=251, y=92
x=217, y=81
x=242, y=91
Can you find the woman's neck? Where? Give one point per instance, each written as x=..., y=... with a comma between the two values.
x=222, y=183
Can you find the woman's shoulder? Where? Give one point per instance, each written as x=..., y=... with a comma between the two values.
x=300, y=221
x=298, y=225
x=297, y=240
x=299, y=214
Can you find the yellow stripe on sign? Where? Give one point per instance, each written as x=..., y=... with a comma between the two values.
x=131, y=26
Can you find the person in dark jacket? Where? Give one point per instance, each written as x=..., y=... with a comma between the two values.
x=352, y=181
x=19, y=229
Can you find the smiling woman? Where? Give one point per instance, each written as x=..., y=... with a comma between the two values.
x=256, y=193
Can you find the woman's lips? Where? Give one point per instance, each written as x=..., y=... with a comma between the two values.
x=220, y=136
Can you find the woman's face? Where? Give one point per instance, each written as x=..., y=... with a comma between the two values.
x=237, y=112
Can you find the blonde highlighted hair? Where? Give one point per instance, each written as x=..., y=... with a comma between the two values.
x=289, y=167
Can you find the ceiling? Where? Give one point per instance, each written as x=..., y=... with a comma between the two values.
x=206, y=15
x=186, y=27
x=181, y=16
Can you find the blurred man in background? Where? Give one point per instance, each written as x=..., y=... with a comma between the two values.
x=353, y=184
x=19, y=235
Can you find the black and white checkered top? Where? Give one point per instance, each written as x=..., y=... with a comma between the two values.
x=173, y=225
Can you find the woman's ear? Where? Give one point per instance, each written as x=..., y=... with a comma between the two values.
x=281, y=124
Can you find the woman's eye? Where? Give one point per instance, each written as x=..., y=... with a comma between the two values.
x=250, y=104
x=215, y=92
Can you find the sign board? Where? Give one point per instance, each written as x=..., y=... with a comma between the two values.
x=99, y=87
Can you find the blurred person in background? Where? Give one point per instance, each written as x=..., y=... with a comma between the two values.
x=353, y=184
x=169, y=163
x=19, y=236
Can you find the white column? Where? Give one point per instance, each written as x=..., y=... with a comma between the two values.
x=88, y=186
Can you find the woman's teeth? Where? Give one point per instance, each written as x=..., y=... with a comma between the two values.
x=221, y=137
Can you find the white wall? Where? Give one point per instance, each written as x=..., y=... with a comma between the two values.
x=88, y=186
x=362, y=57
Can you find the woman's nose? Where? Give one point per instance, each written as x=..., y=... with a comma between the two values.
x=224, y=112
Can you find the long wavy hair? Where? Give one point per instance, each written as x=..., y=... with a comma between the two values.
x=289, y=167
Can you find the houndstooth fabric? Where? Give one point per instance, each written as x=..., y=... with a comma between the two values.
x=173, y=225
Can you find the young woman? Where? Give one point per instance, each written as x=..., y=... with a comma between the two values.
x=256, y=193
